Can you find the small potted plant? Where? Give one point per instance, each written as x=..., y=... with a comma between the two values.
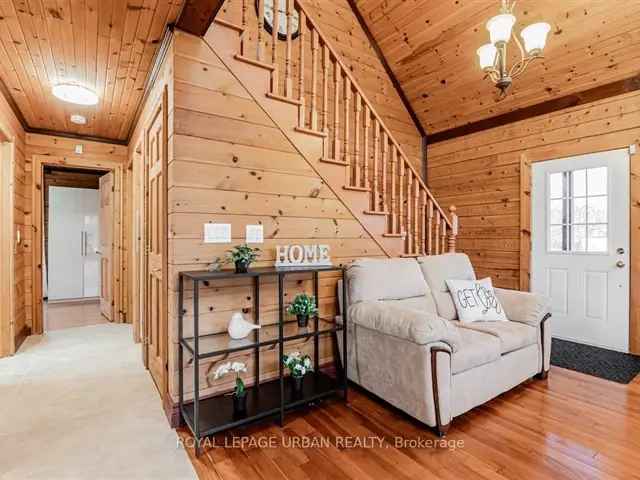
x=240, y=391
x=242, y=256
x=299, y=365
x=302, y=307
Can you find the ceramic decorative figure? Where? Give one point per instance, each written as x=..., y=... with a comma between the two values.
x=239, y=328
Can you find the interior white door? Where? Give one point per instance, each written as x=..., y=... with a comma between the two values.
x=580, y=246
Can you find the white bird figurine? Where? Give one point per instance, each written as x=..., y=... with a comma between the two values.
x=239, y=327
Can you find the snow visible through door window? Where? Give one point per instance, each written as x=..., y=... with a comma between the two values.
x=578, y=211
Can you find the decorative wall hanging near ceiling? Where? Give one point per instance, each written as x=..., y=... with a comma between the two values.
x=493, y=56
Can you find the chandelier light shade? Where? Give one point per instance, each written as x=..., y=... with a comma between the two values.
x=487, y=56
x=535, y=37
x=500, y=28
x=493, y=56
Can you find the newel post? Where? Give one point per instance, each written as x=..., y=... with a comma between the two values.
x=454, y=229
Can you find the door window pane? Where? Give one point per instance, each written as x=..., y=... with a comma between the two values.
x=597, y=241
x=579, y=238
x=556, y=185
x=579, y=183
x=556, y=236
x=597, y=181
x=578, y=211
x=556, y=214
x=597, y=211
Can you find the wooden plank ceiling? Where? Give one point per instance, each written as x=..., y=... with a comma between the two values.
x=106, y=45
x=431, y=48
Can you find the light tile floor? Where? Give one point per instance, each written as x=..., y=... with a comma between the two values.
x=78, y=404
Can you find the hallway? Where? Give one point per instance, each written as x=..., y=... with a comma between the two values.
x=77, y=403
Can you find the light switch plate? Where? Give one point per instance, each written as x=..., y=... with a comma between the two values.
x=217, y=233
x=255, y=234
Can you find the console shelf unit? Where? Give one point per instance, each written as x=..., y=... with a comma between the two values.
x=207, y=416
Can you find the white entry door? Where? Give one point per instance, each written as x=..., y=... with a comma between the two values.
x=580, y=246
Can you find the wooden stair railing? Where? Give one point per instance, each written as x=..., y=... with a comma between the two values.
x=332, y=106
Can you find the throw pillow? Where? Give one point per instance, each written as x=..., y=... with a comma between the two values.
x=476, y=301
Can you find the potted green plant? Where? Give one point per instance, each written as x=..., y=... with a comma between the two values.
x=242, y=256
x=299, y=365
x=302, y=307
x=240, y=391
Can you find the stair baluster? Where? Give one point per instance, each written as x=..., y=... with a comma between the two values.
x=356, y=140
x=314, y=77
x=355, y=137
x=288, y=80
x=346, y=105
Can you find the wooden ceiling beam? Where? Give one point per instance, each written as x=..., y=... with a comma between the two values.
x=587, y=96
x=198, y=15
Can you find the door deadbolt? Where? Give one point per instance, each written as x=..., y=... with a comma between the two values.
x=620, y=251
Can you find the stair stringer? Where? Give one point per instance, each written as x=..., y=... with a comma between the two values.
x=224, y=42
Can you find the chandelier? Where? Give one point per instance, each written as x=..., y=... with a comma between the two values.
x=493, y=56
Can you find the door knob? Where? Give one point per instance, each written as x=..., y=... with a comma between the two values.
x=620, y=264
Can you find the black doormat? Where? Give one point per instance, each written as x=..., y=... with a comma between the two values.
x=599, y=362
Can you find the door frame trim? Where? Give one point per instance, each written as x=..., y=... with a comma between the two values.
x=37, y=198
x=7, y=247
x=526, y=218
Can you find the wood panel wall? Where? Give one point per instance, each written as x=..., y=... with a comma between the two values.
x=486, y=175
x=13, y=131
x=231, y=164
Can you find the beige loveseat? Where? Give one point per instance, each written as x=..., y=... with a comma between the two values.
x=407, y=346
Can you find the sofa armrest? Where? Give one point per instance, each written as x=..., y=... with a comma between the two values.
x=523, y=307
x=412, y=325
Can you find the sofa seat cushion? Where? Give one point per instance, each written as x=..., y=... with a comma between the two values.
x=476, y=349
x=512, y=335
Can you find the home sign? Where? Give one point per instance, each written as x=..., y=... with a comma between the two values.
x=302, y=255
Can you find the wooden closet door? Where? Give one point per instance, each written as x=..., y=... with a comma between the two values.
x=106, y=246
x=156, y=235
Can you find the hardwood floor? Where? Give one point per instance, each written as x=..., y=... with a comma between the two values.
x=569, y=426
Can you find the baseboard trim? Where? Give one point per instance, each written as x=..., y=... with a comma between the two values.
x=22, y=336
x=171, y=410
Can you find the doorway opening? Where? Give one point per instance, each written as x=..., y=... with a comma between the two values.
x=77, y=247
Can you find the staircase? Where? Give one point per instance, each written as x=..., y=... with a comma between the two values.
x=300, y=81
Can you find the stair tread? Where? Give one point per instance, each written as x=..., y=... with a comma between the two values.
x=309, y=131
x=282, y=98
x=357, y=189
x=334, y=161
x=394, y=235
x=372, y=212
x=256, y=63
x=231, y=25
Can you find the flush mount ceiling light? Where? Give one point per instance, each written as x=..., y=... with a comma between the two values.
x=493, y=56
x=78, y=119
x=75, y=94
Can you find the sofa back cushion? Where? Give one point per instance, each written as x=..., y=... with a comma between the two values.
x=385, y=279
x=437, y=269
